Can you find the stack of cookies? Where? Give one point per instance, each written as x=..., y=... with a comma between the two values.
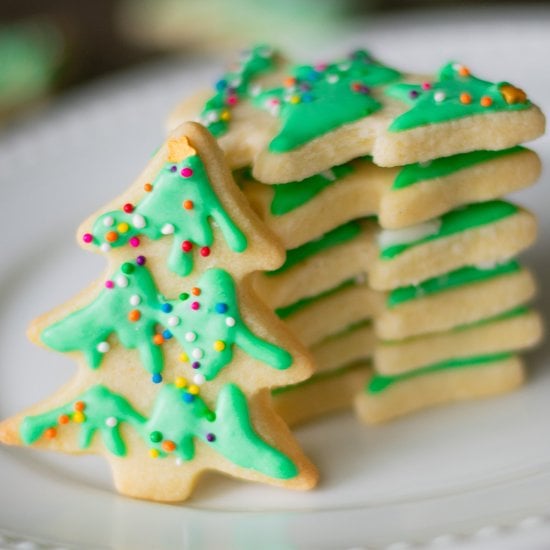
x=385, y=190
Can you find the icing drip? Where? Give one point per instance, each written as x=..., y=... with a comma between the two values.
x=178, y=418
x=205, y=321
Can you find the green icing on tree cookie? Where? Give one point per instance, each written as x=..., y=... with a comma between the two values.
x=289, y=196
x=337, y=236
x=317, y=99
x=455, y=94
x=462, y=219
x=379, y=383
x=205, y=321
x=439, y=168
x=177, y=419
x=453, y=279
x=181, y=204
x=234, y=85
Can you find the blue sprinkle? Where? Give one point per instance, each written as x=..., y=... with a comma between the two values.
x=156, y=378
x=167, y=308
x=307, y=98
x=188, y=397
x=313, y=75
x=221, y=308
x=220, y=85
x=166, y=335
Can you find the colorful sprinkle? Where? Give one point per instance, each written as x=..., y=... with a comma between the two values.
x=138, y=221
x=63, y=419
x=184, y=296
x=111, y=236
x=158, y=339
x=219, y=345
x=140, y=260
x=210, y=437
x=79, y=406
x=190, y=336
x=188, y=397
x=134, y=242
x=155, y=436
x=109, y=284
x=199, y=379
x=121, y=281
x=180, y=382
x=486, y=101
x=123, y=227
x=196, y=291
x=183, y=357
x=186, y=172
x=166, y=308
x=221, y=307
x=188, y=204
x=111, y=422
x=195, y=306
x=148, y=187
x=156, y=378
x=87, y=238
x=153, y=453
x=205, y=251
x=167, y=229
x=79, y=417
x=127, y=268
x=166, y=334
x=135, y=300
x=103, y=347
x=108, y=221
x=128, y=208
x=230, y=322
x=50, y=433
x=173, y=321
x=187, y=246
x=134, y=315
x=193, y=389
x=465, y=98
x=168, y=446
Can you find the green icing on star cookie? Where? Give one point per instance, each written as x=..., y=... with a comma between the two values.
x=234, y=85
x=439, y=168
x=456, y=94
x=177, y=419
x=289, y=196
x=317, y=99
x=205, y=321
x=379, y=383
x=462, y=219
x=453, y=279
x=337, y=236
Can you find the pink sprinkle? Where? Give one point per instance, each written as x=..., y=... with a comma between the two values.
x=426, y=85
x=186, y=172
x=320, y=67
x=232, y=100
x=87, y=237
x=134, y=241
x=274, y=101
x=109, y=284
x=195, y=305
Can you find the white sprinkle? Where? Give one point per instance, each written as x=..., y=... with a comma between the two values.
x=173, y=321
x=255, y=90
x=230, y=321
x=236, y=82
x=108, y=221
x=407, y=235
x=103, y=347
x=439, y=97
x=138, y=221
x=199, y=379
x=190, y=336
x=105, y=247
x=111, y=421
x=197, y=353
x=212, y=116
x=344, y=66
x=333, y=78
x=167, y=229
x=179, y=461
x=135, y=300
x=121, y=281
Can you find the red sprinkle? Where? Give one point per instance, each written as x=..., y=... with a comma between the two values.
x=128, y=208
x=187, y=246
x=205, y=251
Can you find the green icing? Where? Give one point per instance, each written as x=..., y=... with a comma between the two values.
x=319, y=98
x=440, y=101
x=178, y=417
x=161, y=213
x=438, y=168
x=453, y=279
x=337, y=236
x=289, y=196
x=461, y=219
x=379, y=383
x=287, y=311
x=198, y=323
x=234, y=85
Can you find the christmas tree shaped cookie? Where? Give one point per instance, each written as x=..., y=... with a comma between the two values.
x=176, y=355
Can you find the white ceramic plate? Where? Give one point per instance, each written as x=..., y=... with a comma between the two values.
x=435, y=477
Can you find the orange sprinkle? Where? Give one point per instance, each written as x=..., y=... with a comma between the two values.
x=50, y=433
x=188, y=205
x=486, y=101
x=148, y=187
x=463, y=71
x=79, y=406
x=134, y=315
x=465, y=98
x=158, y=339
x=111, y=236
x=63, y=419
x=289, y=81
x=195, y=291
x=168, y=446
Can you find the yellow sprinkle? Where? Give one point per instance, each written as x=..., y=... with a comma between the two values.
x=153, y=453
x=184, y=358
x=193, y=390
x=180, y=382
x=78, y=416
x=225, y=116
x=295, y=99
x=123, y=227
x=219, y=345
